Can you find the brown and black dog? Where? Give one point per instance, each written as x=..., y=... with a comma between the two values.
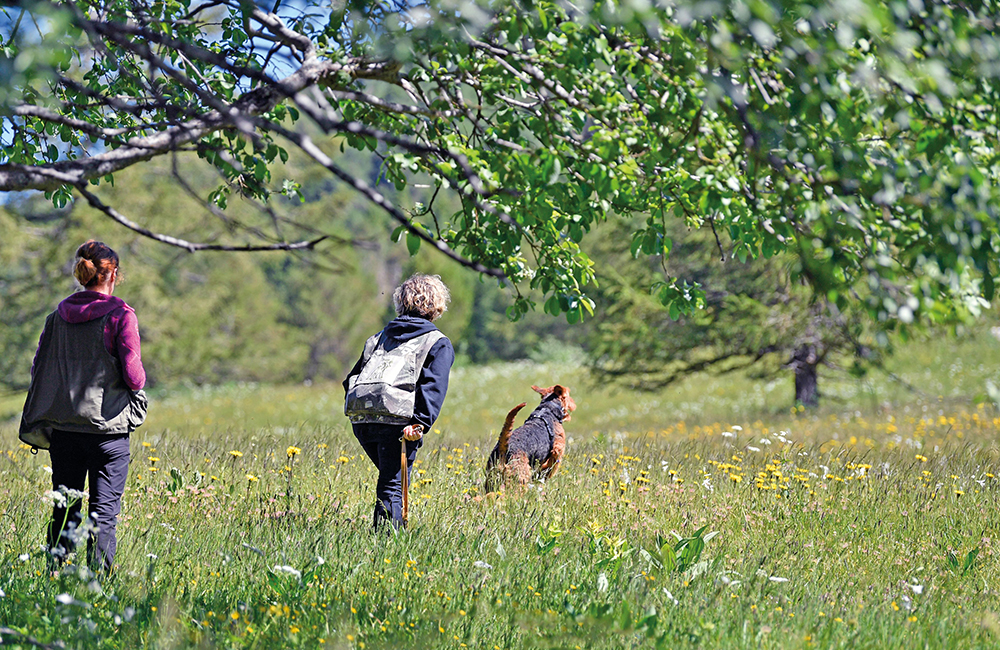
x=535, y=446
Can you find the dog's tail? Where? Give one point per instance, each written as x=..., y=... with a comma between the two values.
x=508, y=426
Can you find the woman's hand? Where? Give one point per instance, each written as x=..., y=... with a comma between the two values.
x=413, y=432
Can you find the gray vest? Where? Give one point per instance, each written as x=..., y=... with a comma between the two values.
x=78, y=386
x=385, y=390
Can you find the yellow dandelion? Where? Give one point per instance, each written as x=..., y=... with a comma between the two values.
x=293, y=451
x=236, y=454
x=251, y=478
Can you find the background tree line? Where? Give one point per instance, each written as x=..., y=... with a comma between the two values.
x=269, y=317
x=296, y=316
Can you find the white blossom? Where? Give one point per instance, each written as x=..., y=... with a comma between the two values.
x=76, y=495
x=54, y=498
x=284, y=569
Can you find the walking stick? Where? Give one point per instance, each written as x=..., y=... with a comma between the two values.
x=418, y=428
x=406, y=481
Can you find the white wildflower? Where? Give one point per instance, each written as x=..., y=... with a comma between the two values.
x=75, y=495
x=23, y=557
x=777, y=579
x=765, y=441
x=917, y=589
x=479, y=564
x=602, y=582
x=54, y=498
x=320, y=561
x=728, y=434
x=753, y=448
x=736, y=428
x=284, y=569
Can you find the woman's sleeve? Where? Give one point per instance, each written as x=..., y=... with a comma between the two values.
x=433, y=383
x=129, y=351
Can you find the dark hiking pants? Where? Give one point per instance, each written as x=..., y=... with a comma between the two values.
x=385, y=453
x=105, y=459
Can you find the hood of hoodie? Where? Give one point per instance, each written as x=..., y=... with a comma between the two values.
x=85, y=306
x=404, y=328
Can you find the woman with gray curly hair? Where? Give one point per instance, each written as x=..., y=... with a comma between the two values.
x=396, y=389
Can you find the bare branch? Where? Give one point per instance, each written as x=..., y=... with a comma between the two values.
x=191, y=247
x=309, y=147
x=48, y=115
x=391, y=107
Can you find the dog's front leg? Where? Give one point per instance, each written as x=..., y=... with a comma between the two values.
x=555, y=457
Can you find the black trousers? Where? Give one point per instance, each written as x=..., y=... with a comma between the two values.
x=75, y=456
x=383, y=447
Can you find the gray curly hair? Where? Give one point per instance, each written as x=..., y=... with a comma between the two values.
x=422, y=295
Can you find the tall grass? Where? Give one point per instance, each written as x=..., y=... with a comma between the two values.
x=871, y=523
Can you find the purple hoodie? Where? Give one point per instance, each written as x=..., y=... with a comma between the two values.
x=121, y=331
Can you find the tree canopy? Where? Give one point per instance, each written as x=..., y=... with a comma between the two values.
x=860, y=135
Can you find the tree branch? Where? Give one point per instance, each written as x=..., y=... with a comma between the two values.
x=309, y=148
x=191, y=247
x=313, y=72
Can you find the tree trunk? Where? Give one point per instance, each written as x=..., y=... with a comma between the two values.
x=805, y=361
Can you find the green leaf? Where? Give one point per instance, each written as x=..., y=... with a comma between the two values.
x=412, y=243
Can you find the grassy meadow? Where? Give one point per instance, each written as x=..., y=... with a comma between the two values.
x=706, y=515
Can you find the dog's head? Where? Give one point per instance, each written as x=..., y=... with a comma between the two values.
x=560, y=393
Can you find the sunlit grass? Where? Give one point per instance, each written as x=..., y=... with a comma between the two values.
x=871, y=523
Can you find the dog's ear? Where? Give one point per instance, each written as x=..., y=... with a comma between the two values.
x=559, y=390
x=541, y=391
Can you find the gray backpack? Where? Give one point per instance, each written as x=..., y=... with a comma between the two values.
x=384, y=391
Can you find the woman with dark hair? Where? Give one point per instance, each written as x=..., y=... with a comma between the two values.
x=84, y=400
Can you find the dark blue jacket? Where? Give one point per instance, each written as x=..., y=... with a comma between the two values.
x=433, y=382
